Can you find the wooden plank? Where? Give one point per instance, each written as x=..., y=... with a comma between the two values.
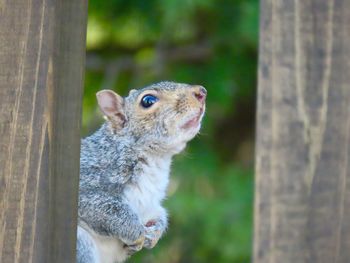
x=302, y=205
x=42, y=52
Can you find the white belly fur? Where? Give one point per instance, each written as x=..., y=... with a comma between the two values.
x=109, y=249
x=146, y=195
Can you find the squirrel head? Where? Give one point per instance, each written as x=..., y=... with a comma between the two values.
x=165, y=115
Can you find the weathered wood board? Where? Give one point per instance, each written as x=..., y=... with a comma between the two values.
x=42, y=53
x=302, y=202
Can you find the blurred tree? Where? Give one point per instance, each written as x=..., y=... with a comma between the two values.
x=210, y=42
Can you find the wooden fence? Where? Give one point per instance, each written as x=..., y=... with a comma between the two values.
x=302, y=203
x=42, y=51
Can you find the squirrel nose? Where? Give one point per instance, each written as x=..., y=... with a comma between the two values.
x=200, y=93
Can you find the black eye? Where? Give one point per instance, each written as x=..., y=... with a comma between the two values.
x=148, y=100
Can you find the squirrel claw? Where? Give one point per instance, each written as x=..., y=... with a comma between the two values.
x=150, y=243
x=152, y=237
x=136, y=246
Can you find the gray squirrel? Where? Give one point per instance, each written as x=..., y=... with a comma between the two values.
x=125, y=168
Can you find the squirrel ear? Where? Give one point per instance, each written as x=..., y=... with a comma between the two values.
x=112, y=105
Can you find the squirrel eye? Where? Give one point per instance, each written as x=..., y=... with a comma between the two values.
x=148, y=100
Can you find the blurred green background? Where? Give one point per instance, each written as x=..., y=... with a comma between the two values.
x=134, y=43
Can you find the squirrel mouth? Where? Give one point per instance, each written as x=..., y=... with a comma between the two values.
x=194, y=122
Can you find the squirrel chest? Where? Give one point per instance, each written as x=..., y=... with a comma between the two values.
x=145, y=193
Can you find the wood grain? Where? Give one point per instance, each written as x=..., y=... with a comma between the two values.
x=302, y=202
x=42, y=52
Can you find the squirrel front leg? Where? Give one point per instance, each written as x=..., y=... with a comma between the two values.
x=155, y=228
x=109, y=215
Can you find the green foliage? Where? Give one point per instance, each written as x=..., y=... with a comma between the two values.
x=210, y=42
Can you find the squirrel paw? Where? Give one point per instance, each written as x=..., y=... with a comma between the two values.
x=152, y=235
x=136, y=246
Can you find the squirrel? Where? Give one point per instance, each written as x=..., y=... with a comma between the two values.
x=125, y=168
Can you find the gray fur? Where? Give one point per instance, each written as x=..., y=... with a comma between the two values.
x=107, y=162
